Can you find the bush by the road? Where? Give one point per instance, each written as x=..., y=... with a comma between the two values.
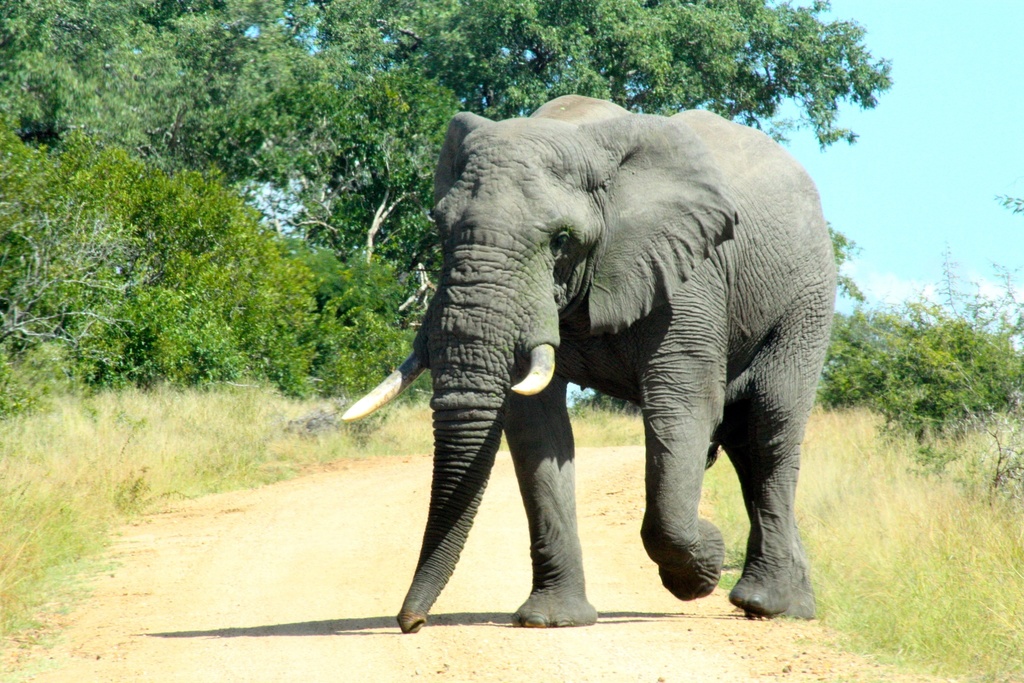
x=928, y=370
x=131, y=276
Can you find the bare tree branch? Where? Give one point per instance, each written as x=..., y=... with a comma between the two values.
x=380, y=215
x=420, y=296
x=57, y=273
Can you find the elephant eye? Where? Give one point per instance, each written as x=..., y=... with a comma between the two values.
x=560, y=240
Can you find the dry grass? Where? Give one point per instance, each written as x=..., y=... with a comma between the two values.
x=596, y=428
x=903, y=563
x=911, y=564
x=68, y=474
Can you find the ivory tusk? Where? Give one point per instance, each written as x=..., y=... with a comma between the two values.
x=397, y=382
x=542, y=369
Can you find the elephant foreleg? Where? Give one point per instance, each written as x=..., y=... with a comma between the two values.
x=689, y=551
x=540, y=438
x=683, y=394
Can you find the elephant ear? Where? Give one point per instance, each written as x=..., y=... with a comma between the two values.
x=450, y=164
x=667, y=210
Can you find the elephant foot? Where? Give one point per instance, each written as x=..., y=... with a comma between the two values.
x=547, y=610
x=686, y=585
x=411, y=622
x=789, y=595
x=689, y=572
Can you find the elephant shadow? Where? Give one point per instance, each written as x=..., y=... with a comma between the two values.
x=367, y=626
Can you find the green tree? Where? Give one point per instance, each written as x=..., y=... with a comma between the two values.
x=167, y=79
x=844, y=249
x=336, y=108
x=352, y=169
x=328, y=115
x=743, y=59
x=210, y=294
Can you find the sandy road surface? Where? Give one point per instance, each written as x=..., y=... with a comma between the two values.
x=300, y=581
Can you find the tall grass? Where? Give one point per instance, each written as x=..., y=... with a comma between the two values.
x=906, y=564
x=70, y=473
x=594, y=427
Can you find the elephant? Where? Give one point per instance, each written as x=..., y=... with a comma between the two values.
x=680, y=263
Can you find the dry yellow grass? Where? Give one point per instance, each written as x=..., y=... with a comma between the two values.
x=904, y=564
x=910, y=563
x=68, y=473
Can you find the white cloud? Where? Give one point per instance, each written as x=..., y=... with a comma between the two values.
x=889, y=289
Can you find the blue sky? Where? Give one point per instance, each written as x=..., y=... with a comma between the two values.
x=942, y=143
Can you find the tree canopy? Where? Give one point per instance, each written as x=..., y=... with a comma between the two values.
x=327, y=117
x=330, y=113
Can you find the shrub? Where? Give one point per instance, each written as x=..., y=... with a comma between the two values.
x=144, y=276
x=929, y=369
x=357, y=342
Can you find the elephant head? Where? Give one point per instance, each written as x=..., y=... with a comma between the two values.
x=576, y=210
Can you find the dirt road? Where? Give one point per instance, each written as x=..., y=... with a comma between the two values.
x=300, y=581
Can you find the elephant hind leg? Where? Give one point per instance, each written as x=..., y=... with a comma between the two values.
x=776, y=572
x=762, y=435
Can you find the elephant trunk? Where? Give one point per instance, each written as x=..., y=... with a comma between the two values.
x=465, y=443
x=481, y=331
x=471, y=361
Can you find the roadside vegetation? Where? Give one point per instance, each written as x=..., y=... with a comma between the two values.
x=195, y=192
x=924, y=570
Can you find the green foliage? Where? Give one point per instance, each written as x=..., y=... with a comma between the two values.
x=210, y=295
x=357, y=343
x=31, y=377
x=145, y=277
x=739, y=58
x=58, y=256
x=15, y=395
x=352, y=169
x=164, y=79
x=928, y=369
x=591, y=400
x=844, y=249
x=1014, y=204
x=328, y=116
x=331, y=113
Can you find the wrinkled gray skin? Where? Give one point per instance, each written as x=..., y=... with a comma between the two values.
x=679, y=263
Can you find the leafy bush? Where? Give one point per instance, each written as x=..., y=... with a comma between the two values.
x=59, y=256
x=356, y=341
x=145, y=277
x=929, y=369
x=32, y=378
